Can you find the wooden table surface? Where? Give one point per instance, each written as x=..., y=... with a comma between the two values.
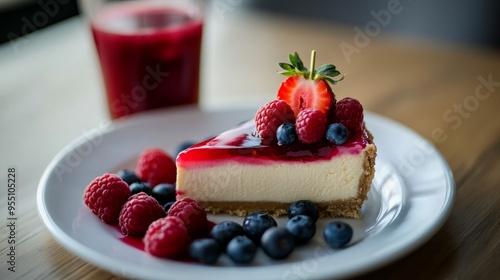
x=51, y=93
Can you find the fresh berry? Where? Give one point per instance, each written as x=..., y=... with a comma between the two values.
x=164, y=193
x=310, y=126
x=225, y=231
x=128, y=176
x=166, y=238
x=105, y=196
x=167, y=206
x=349, y=112
x=303, y=207
x=138, y=213
x=138, y=187
x=286, y=134
x=337, y=133
x=205, y=250
x=302, y=94
x=302, y=228
x=277, y=243
x=255, y=224
x=191, y=213
x=184, y=146
x=155, y=166
x=241, y=249
x=337, y=234
x=308, y=89
x=270, y=116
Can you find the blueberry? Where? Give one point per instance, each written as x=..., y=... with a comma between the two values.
x=337, y=133
x=255, y=224
x=303, y=207
x=128, y=176
x=138, y=187
x=225, y=231
x=241, y=249
x=302, y=228
x=337, y=234
x=277, y=243
x=164, y=193
x=205, y=250
x=183, y=146
x=167, y=205
x=286, y=134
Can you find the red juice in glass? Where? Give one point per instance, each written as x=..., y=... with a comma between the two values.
x=149, y=54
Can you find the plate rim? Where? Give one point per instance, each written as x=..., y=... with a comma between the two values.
x=111, y=264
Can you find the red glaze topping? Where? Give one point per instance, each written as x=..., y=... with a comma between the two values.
x=239, y=144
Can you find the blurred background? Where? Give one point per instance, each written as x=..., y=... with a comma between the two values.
x=421, y=70
x=468, y=22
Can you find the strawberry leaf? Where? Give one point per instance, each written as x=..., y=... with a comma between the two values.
x=292, y=60
x=287, y=73
x=332, y=81
x=299, y=63
x=327, y=67
x=328, y=70
x=330, y=74
x=285, y=66
x=334, y=74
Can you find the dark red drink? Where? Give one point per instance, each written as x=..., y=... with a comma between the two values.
x=150, y=55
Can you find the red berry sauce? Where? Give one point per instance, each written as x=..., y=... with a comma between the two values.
x=131, y=240
x=241, y=145
x=138, y=243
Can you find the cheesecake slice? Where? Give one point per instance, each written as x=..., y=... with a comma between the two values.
x=238, y=173
x=304, y=145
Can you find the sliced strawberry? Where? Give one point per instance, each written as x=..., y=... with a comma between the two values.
x=301, y=93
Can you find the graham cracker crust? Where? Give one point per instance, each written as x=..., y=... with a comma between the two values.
x=348, y=208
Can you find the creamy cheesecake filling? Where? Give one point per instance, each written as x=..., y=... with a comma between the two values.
x=285, y=182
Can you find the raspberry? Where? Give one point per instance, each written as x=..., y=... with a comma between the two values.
x=349, y=112
x=310, y=126
x=155, y=166
x=270, y=116
x=138, y=213
x=105, y=196
x=192, y=214
x=166, y=238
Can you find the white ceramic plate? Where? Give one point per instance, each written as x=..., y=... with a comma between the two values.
x=411, y=197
